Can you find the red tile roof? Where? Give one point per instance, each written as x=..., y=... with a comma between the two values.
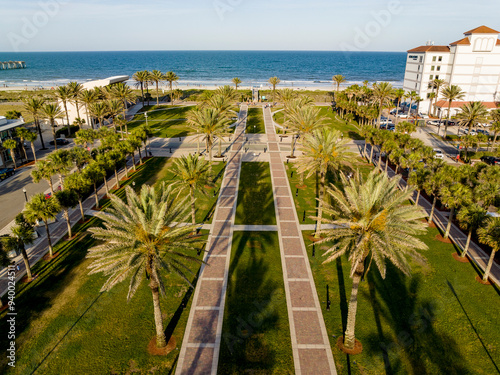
x=482, y=30
x=444, y=104
x=464, y=41
x=430, y=49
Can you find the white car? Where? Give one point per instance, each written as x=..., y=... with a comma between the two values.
x=485, y=125
x=403, y=115
x=421, y=115
x=472, y=132
x=438, y=154
x=433, y=122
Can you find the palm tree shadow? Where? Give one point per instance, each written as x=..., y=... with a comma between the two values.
x=412, y=338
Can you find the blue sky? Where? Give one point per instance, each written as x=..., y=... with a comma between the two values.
x=393, y=25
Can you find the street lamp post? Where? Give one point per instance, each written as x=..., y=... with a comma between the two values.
x=146, y=117
x=25, y=195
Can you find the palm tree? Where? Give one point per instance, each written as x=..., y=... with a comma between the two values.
x=114, y=108
x=141, y=78
x=303, y=120
x=433, y=185
x=79, y=157
x=31, y=137
x=34, y=106
x=65, y=94
x=382, y=93
x=67, y=199
x=454, y=196
x=45, y=209
x=99, y=110
x=177, y=94
x=323, y=150
x=208, y=123
x=418, y=179
x=274, y=81
x=236, y=82
x=495, y=126
x=51, y=112
x=124, y=93
x=95, y=173
x=157, y=77
x=471, y=114
x=21, y=235
x=437, y=84
x=490, y=235
x=134, y=143
x=338, y=79
x=451, y=94
x=22, y=133
x=171, y=77
x=75, y=88
x=62, y=163
x=399, y=94
x=143, y=236
x=431, y=96
x=85, y=137
x=192, y=174
x=471, y=218
x=412, y=95
x=372, y=222
x=44, y=170
x=88, y=97
x=468, y=141
x=11, y=145
x=79, y=183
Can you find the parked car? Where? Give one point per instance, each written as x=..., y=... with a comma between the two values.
x=6, y=172
x=438, y=154
x=433, y=122
x=449, y=122
x=421, y=115
x=485, y=125
x=60, y=142
x=485, y=132
x=391, y=127
x=491, y=160
x=472, y=132
x=403, y=115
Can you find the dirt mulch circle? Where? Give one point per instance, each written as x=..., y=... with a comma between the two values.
x=66, y=238
x=480, y=280
x=460, y=259
x=209, y=187
x=432, y=225
x=358, y=348
x=154, y=350
x=26, y=280
x=440, y=238
x=291, y=157
x=314, y=239
x=301, y=187
x=48, y=258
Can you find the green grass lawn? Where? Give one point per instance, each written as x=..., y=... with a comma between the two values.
x=255, y=332
x=440, y=321
x=165, y=122
x=255, y=195
x=255, y=121
x=65, y=325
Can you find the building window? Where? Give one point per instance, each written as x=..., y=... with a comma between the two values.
x=440, y=58
x=434, y=58
x=437, y=77
x=418, y=76
x=431, y=77
x=418, y=68
x=438, y=68
x=421, y=58
x=416, y=84
x=433, y=68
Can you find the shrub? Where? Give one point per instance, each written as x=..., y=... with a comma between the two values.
x=73, y=129
x=13, y=115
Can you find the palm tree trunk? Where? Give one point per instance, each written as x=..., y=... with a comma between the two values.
x=220, y=147
x=68, y=222
x=448, y=226
x=133, y=160
x=61, y=181
x=320, y=204
x=431, y=215
x=140, y=155
x=418, y=197
x=106, y=185
x=126, y=168
x=467, y=244
x=26, y=263
x=13, y=156
x=294, y=140
x=386, y=163
x=54, y=136
x=161, y=340
x=33, y=150
x=117, y=180
x=380, y=160
x=67, y=116
x=157, y=94
x=193, y=209
x=25, y=154
x=49, y=240
x=81, y=209
x=349, y=337
x=371, y=152
x=488, y=267
x=95, y=195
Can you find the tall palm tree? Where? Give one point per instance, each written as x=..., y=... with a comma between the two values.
x=88, y=97
x=171, y=77
x=85, y=137
x=236, y=82
x=471, y=114
x=274, y=81
x=433, y=185
x=192, y=174
x=454, y=196
x=67, y=199
x=34, y=106
x=22, y=133
x=143, y=237
x=471, y=218
x=62, y=163
x=382, y=93
x=451, y=93
x=412, y=95
x=75, y=88
x=437, y=84
x=431, y=96
x=45, y=209
x=208, y=123
x=495, y=126
x=322, y=150
x=490, y=235
x=114, y=108
x=157, y=77
x=79, y=157
x=303, y=120
x=51, y=112
x=95, y=173
x=338, y=79
x=44, y=170
x=124, y=93
x=99, y=110
x=79, y=183
x=372, y=222
x=399, y=94
x=141, y=78
x=177, y=94
x=65, y=94
x=31, y=137
x=11, y=145
x=21, y=235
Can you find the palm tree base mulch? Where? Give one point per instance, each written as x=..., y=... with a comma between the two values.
x=314, y=239
x=291, y=157
x=358, y=347
x=27, y=279
x=440, y=238
x=480, y=280
x=28, y=164
x=209, y=187
x=302, y=187
x=460, y=259
x=154, y=350
x=432, y=225
x=48, y=258
x=66, y=238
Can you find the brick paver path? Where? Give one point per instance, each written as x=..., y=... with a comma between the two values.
x=312, y=353
x=201, y=344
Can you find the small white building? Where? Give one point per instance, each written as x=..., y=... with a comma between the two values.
x=7, y=129
x=472, y=63
x=72, y=113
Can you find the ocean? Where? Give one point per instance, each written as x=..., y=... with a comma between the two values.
x=294, y=68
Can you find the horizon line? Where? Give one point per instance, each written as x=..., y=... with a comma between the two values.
x=203, y=50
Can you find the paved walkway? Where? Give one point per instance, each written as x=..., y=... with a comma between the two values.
x=312, y=353
x=475, y=252
x=201, y=344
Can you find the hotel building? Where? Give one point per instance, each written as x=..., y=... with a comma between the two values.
x=472, y=63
